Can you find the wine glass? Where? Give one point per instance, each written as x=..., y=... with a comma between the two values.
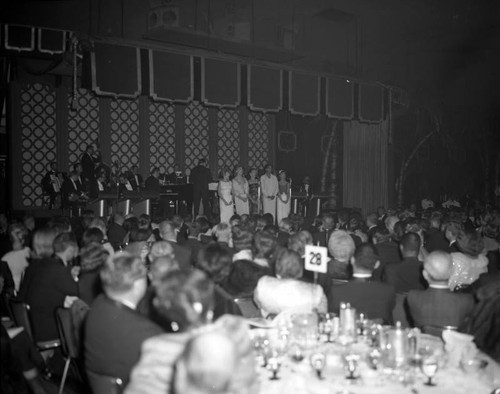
x=318, y=362
x=374, y=357
x=429, y=367
x=351, y=364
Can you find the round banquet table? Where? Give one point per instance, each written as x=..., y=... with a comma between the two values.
x=299, y=377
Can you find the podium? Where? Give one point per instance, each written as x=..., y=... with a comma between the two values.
x=99, y=207
x=318, y=200
x=123, y=206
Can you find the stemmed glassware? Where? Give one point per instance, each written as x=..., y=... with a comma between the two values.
x=429, y=367
x=318, y=362
x=351, y=364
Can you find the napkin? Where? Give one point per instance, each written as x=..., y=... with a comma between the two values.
x=458, y=345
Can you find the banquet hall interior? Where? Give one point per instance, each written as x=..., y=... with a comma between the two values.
x=249, y=196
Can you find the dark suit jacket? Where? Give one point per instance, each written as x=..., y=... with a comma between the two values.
x=88, y=166
x=116, y=235
x=438, y=307
x=67, y=189
x=435, y=240
x=152, y=184
x=453, y=248
x=405, y=276
x=45, y=285
x=371, y=232
x=200, y=177
x=336, y=271
x=89, y=286
x=133, y=182
x=194, y=246
x=388, y=252
x=182, y=255
x=322, y=237
x=113, y=336
x=94, y=189
x=376, y=300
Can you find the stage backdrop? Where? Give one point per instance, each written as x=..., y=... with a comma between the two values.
x=365, y=165
x=136, y=131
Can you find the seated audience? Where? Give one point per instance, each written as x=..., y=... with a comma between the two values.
x=406, y=275
x=215, y=260
x=264, y=245
x=469, y=262
x=242, y=243
x=114, y=330
x=116, y=231
x=451, y=231
x=438, y=306
x=376, y=300
x=322, y=235
x=168, y=234
x=222, y=234
x=192, y=242
x=387, y=248
x=286, y=292
x=92, y=259
x=434, y=237
x=243, y=278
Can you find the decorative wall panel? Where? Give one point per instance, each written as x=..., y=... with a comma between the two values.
x=258, y=143
x=83, y=124
x=161, y=135
x=38, y=136
x=195, y=133
x=125, y=132
x=228, y=141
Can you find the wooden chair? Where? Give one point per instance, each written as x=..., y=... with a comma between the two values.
x=102, y=384
x=22, y=318
x=247, y=307
x=69, y=344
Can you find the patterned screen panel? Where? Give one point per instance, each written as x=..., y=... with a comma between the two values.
x=83, y=124
x=38, y=135
x=258, y=142
x=196, y=133
x=161, y=135
x=228, y=141
x=125, y=132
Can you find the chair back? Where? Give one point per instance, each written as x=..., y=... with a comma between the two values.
x=66, y=330
x=399, y=311
x=247, y=307
x=102, y=384
x=20, y=313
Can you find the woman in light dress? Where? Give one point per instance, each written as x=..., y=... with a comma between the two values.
x=224, y=191
x=240, y=192
x=283, y=203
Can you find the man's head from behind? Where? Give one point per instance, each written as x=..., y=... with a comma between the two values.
x=410, y=245
x=66, y=247
x=167, y=231
x=341, y=246
x=438, y=267
x=365, y=259
x=123, y=277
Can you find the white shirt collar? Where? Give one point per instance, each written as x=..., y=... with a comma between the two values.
x=128, y=303
x=438, y=286
x=361, y=275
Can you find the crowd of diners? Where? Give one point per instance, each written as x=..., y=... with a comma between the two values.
x=161, y=304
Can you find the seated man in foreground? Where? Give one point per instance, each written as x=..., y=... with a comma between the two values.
x=114, y=331
x=438, y=305
x=375, y=299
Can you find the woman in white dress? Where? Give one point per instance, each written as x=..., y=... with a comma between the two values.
x=269, y=190
x=225, y=197
x=283, y=203
x=240, y=192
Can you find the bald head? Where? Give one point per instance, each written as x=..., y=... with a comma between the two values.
x=207, y=365
x=437, y=267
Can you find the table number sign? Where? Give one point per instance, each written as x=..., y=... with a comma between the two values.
x=316, y=259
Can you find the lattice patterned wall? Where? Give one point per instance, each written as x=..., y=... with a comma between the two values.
x=195, y=133
x=38, y=136
x=161, y=135
x=228, y=141
x=258, y=142
x=125, y=132
x=83, y=124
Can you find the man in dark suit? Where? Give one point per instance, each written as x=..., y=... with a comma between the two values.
x=116, y=232
x=434, y=237
x=371, y=225
x=52, y=183
x=97, y=186
x=192, y=242
x=114, y=330
x=135, y=178
x=46, y=285
x=376, y=300
x=451, y=231
x=201, y=177
x=406, y=275
x=181, y=254
x=322, y=236
x=88, y=164
x=438, y=305
x=152, y=182
x=71, y=196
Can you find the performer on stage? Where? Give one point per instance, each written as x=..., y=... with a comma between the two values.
x=135, y=178
x=88, y=164
x=225, y=197
x=153, y=183
x=52, y=183
x=269, y=190
x=201, y=177
x=253, y=195
x=283, y=203
x=240, y=192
